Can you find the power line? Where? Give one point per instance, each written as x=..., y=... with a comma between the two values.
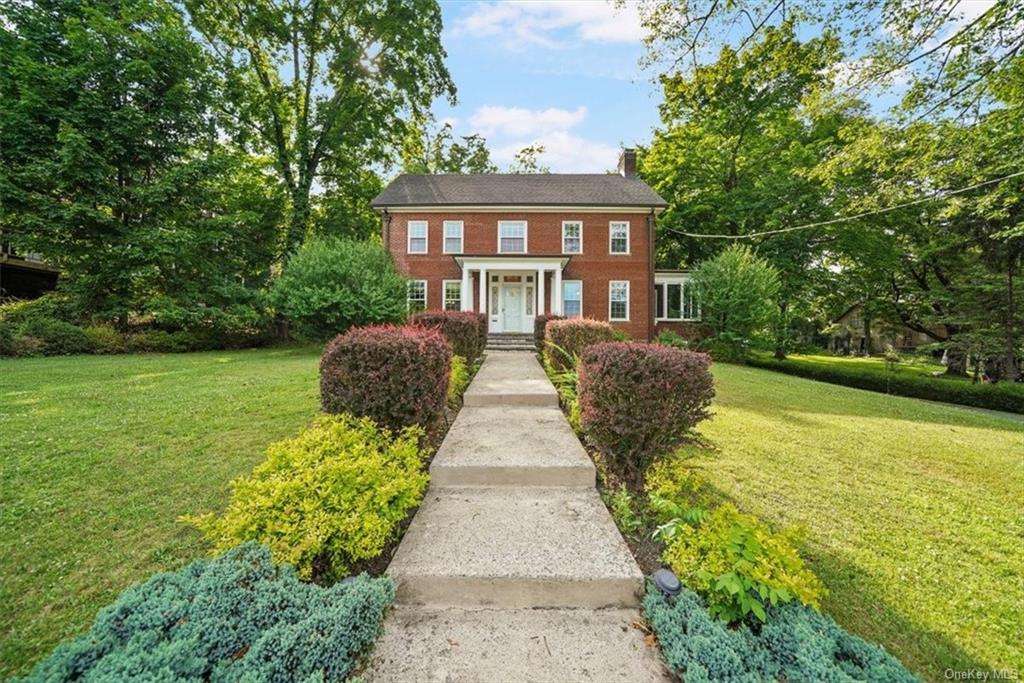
x=938, y=195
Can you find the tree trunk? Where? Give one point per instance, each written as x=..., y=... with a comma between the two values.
x=1012, y=370
x=867, y=335
x=298, y=224
x=781, y=332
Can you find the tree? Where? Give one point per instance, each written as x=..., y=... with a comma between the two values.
x=331, y=284
x=110, y=162
x=322, y=81
x=440, y=152
x=527, y=160
x=735, y=156
x=736, y=290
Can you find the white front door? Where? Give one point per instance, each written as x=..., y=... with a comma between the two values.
x=512, y=308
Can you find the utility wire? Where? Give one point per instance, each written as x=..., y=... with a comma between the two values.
x=942, y=194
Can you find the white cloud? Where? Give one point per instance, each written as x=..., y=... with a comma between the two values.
x=519, y=121
x=552, y=23
x=564, y=153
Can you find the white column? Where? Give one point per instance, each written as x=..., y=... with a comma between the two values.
x=467, y=289
x=556, y=295
x=540, y=291
x=483, y=291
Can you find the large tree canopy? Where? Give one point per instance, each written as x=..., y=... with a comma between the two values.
x=323, y=82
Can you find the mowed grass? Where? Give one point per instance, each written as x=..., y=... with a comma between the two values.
x=98, y=457
x=914, y=511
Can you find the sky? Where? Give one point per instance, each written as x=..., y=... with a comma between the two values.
x=566, y=74
x=562, y=74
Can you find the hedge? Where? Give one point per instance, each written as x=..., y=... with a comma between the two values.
x=540, y=324
x=796, y=644
x=234, y=618
x=1006, y=396
x=639, y=401
x=327, y=499
x=564, y=340
x=397, y=375
x=460, y=328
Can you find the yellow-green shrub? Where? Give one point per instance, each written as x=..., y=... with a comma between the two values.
x=739, y=566
x=105, y=339
x=458, y=380
x=326, y=499
x=674, y=479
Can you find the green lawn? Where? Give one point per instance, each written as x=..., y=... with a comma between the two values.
x=100, y=454
x=913, y=510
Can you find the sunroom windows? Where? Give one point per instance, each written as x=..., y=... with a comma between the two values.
x=675, y=300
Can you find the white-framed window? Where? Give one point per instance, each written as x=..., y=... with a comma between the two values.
x=417, y=237
x=452, y=237
x=572, y=298
x=675, y=300
x=511, y=237
x=618, y=237
x=416, y=296
x=618, y=300
x=572, y=237
x=453, y=295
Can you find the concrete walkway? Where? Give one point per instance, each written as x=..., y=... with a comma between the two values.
x=513, y=570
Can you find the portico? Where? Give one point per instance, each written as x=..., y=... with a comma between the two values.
x=513, y=291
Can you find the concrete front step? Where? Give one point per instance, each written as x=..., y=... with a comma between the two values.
x=511, y=446
x=515, y=547
x=510, y=379
x=513, y=646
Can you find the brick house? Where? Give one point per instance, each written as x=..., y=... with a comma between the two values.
x=521, y=245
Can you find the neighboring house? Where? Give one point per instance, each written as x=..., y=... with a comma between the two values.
x=521, y=245
x=24, y=276
x=851, y=333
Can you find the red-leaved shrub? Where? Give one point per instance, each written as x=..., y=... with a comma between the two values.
x=482, y=317
x=639, y=401
x=566, y=339
x=540, y=324
x=460, y=328
x=397, y=375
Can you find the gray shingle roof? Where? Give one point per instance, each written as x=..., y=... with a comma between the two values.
x=503, y=189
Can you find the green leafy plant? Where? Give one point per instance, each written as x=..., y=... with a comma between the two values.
x=458, y=380
x=670, y=338
x=565, y=382
x=623, y=509
x=330, y=285
x=739, y=566
x=105, y=339
x=58, y=338
x=325, y=500
x=237, y=617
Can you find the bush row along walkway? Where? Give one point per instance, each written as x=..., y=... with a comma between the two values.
x=512, y=569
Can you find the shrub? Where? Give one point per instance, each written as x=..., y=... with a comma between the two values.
x=460, y=328
x=672, y=484
x=639, y=401
x=50, y=306
x=726, y=348
x=59, y=338
x=739, y=566
x=566, y=339
x=105, y=339
x=330, y=497
x=330, y=285
x=6, y=339
x=395, y=375
x=670, y=338
x=621, y=336
x=26, y=346
x=155, y=341
x=540, y=324
x=797, y=644
x=736, y=290
x=482, y=329
x=458, y=381
x=1006, y=396
x=233, y=618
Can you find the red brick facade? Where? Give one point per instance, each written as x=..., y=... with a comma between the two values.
x=595, y=266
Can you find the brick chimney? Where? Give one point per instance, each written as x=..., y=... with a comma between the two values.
x=627, y=163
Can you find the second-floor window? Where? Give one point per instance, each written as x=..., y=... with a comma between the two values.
x=417, y=237
x=618, y=237
x=572, y=237
x=511, y=237
x=453, y=237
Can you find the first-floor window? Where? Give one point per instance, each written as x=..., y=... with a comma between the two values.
x=572, y=298
x=618, y=300
x=452, y=295
x=675, y=301
x=416, y=298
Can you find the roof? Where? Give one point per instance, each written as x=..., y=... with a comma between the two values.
x=518, y=189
